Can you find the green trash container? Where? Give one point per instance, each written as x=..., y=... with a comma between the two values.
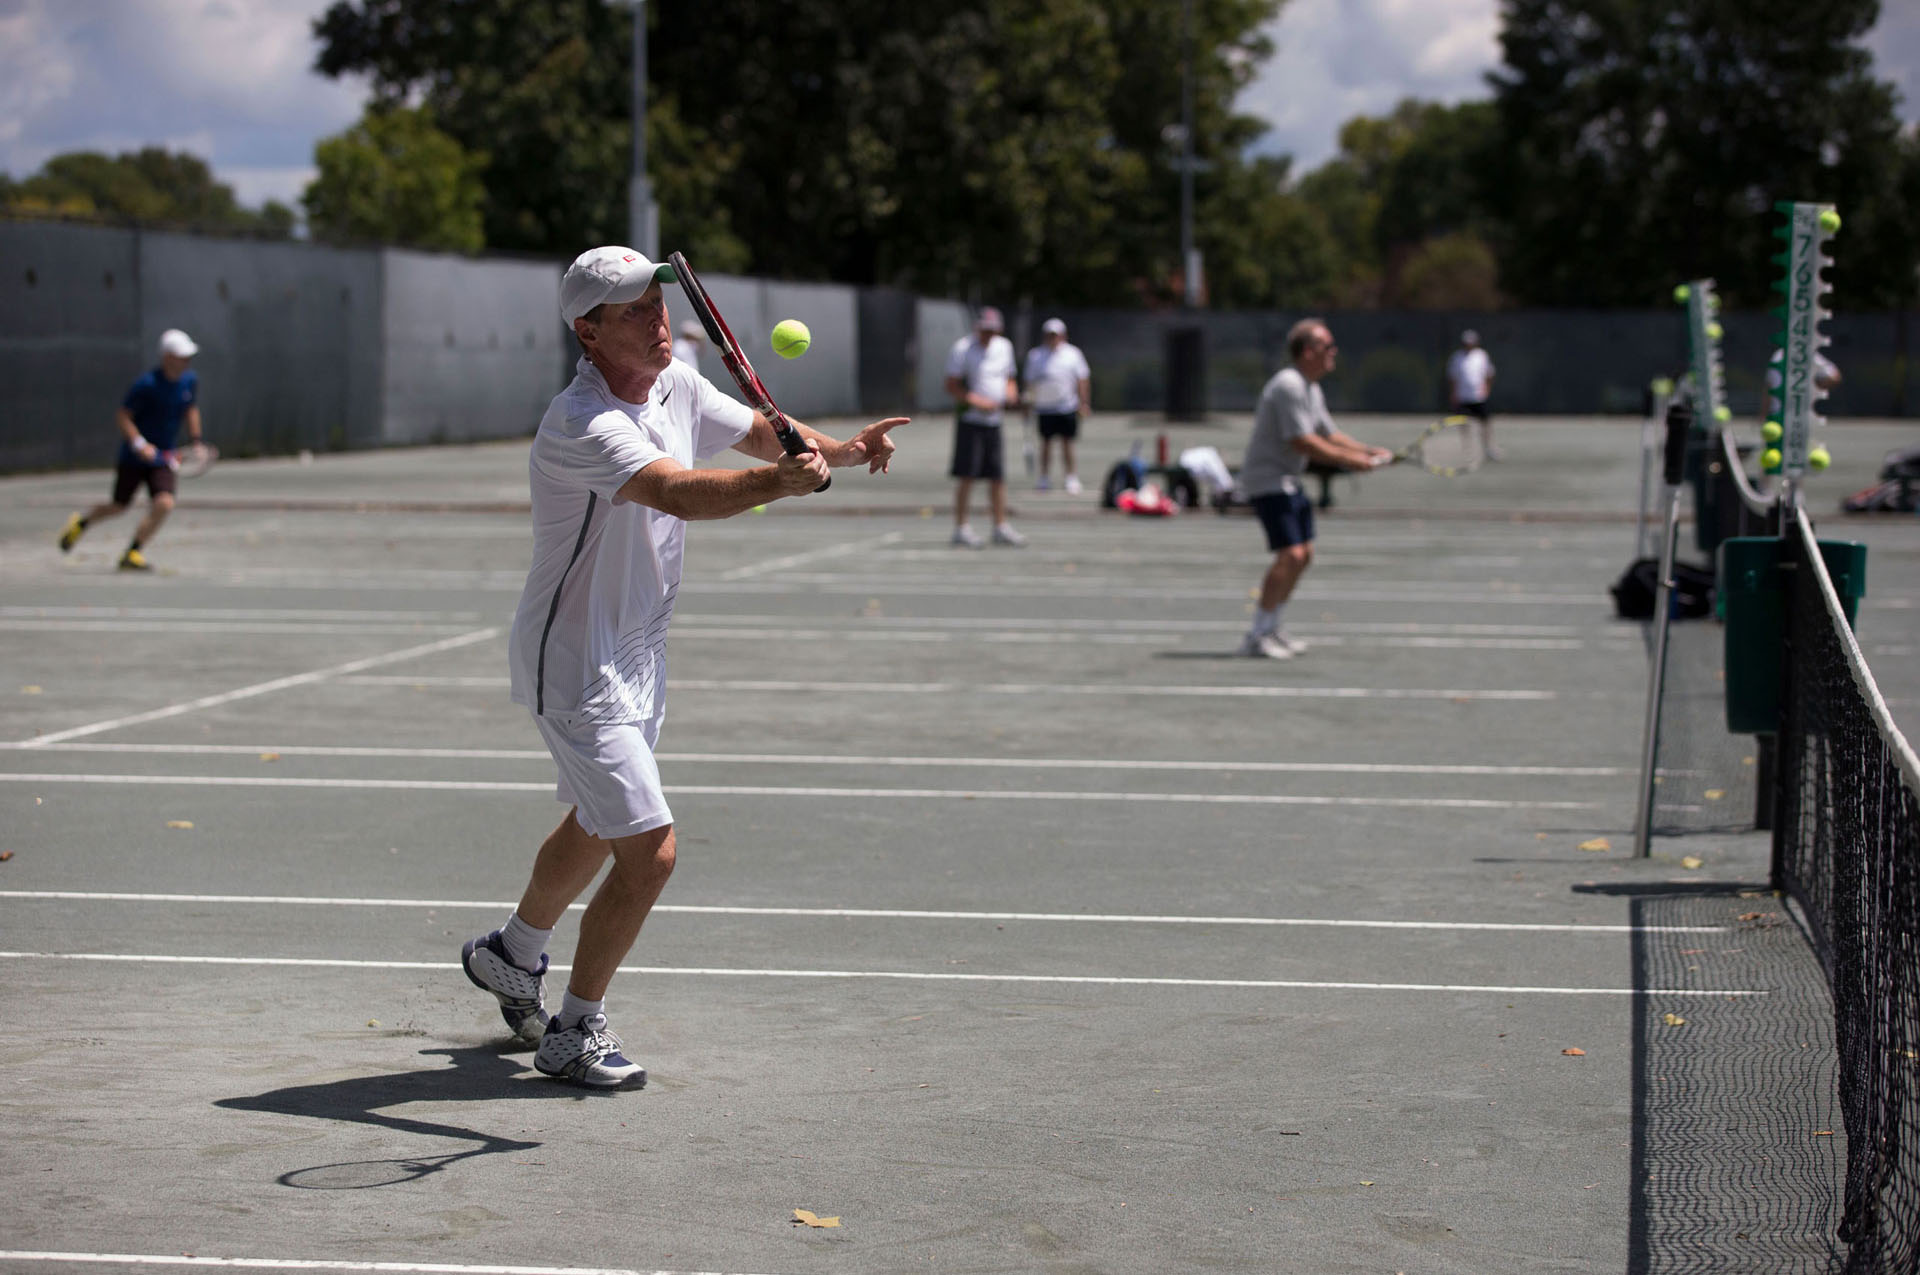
x=1752, y=590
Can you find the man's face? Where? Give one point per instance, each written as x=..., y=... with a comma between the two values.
x=633, y=337
x=173, y=367
x=983, y=334
x=1055, y=340
x=1318, y=358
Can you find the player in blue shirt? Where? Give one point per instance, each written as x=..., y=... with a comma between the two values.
x=161, y=404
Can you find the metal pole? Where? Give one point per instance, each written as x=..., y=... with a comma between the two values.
x=1656, y=679
x=642, y=232
x=1189, y=264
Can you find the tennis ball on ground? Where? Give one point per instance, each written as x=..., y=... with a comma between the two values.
x=1681, y=292
x=1771, y=431
x=1770, y=459
x=1819, y=458
x=791, y=338
x=1829, y=220
x=1723, y=413
x=1715, y=331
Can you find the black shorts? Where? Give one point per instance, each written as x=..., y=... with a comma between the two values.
x=131, y=474
x=1476, y=410
x=976, y=451
x=1059, y=424
x=1287, y=516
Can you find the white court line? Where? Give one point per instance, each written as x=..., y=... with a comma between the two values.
x=1012, y=688
x=1097, y=980
x=262, y=688
x=719, y=790
x=315, y=1264
x=1028, y=637
x=286, y=629
x=304, y=615
x=812, y=555
x=1081, y=589
x=871, y=914
x=812, y=759
x=1132, y=625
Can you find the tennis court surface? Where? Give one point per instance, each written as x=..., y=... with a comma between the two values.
x=1018, y=925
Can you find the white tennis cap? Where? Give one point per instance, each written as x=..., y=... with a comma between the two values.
x=177, y=343
x=1055, y=325
x=612, y=273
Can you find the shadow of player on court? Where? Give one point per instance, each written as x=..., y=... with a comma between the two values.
x=483, y=1073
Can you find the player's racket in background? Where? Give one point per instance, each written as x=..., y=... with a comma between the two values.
x=192, y=460
x=736, y=360
x=1450, y=447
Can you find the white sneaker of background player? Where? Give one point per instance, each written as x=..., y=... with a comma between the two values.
x=967, y=538
x=1265, y=646
x=1293, y=644
x=1004, y=534
x=1072, y=485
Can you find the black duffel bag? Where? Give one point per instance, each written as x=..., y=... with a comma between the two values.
x=1634, y=592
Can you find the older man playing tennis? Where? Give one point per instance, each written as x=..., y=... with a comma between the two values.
x=613, y=488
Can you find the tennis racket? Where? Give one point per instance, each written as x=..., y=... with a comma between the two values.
x=192, y=460
x=1448, y=448
x=736, y=360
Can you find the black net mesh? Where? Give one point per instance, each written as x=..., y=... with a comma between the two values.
x=1704, y=777
x=1847, y=847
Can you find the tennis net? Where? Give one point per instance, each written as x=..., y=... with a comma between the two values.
x=1846, y=847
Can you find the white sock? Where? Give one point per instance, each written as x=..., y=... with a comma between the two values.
x=573, y=1009
x=1265, y=622
x=524, y=944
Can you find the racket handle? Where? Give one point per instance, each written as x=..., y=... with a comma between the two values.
x=797, y=446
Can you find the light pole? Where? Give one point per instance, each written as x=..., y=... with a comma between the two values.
x=643, y=218
x=1189, y=255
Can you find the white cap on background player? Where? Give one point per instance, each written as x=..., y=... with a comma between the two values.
x=612, y=273
x=178, y=344
x=1055, y=325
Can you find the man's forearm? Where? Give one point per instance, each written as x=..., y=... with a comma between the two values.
x=698, y=495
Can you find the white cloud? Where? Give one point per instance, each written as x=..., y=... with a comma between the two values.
x=228, y=80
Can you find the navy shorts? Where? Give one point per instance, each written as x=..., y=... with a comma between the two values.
x=976, y=451
x=1476, y=410
x=131, y=475
x=1058, y=424
x=1287, y=516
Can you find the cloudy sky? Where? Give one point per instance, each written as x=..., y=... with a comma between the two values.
x=229, y=80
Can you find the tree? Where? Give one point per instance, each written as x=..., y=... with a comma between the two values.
x=395, y=178
x=151, y=186
x=989, y=146
x=1644, y=142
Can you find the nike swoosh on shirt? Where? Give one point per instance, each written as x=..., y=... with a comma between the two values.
x=665, y=395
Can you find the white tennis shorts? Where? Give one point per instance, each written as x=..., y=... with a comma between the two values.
x=608, y=774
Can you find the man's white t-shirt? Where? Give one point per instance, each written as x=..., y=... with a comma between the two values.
x=589, y=637
x=983, y=369
x=1471, y=372
x=1053, y=377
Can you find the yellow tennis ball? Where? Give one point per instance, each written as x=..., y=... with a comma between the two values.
x=1715, y=331
x=1819, y=458
x=1829, y=222
x=1770, y=459
x=1723, y=413
x=1681, y=292
x=759, y=509
x=1771, y=431
x=791, y=338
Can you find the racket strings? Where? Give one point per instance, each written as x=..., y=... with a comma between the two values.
x=1453, y=447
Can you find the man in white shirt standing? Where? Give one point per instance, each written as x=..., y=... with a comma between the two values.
x=1060, y=387
x=686, y=346
x=980, y=379
x=1470, y=384
x=1291, y=426
x=613, y=486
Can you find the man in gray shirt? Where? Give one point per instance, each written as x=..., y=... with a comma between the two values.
x=1290, y=427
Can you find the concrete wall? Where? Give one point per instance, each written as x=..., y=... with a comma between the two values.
x=824, y=382
x=940, y=324
x=472, y=349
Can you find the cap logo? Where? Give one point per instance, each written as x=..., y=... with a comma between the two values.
x=631, y=256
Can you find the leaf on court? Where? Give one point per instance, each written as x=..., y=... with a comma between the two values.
x=1598, y=843
x=1714, y=794
x=29, y=690
x=179, y=823
x=802, y=1217
x=5, y=855
x=1673, y=1020
x=1574, y=1052
x=1693, y=862
x=269, y=756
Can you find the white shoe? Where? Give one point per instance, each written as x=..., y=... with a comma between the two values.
x=1004, y=534
x=1264, y=647
x=1293, y=644
x=587, y=1054
x=1072, y=485
x=965, y=537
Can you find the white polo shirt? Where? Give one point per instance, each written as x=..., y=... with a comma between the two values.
x=1053, y=377
x=589, y=637
x=982, y=369
x=1471, y=372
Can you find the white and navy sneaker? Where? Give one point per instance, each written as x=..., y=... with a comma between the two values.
x=522, y=1000
x=1266, y=646
x=1288, y=640
x=587, y=1054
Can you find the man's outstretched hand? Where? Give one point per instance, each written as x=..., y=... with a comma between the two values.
x=872, y=445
